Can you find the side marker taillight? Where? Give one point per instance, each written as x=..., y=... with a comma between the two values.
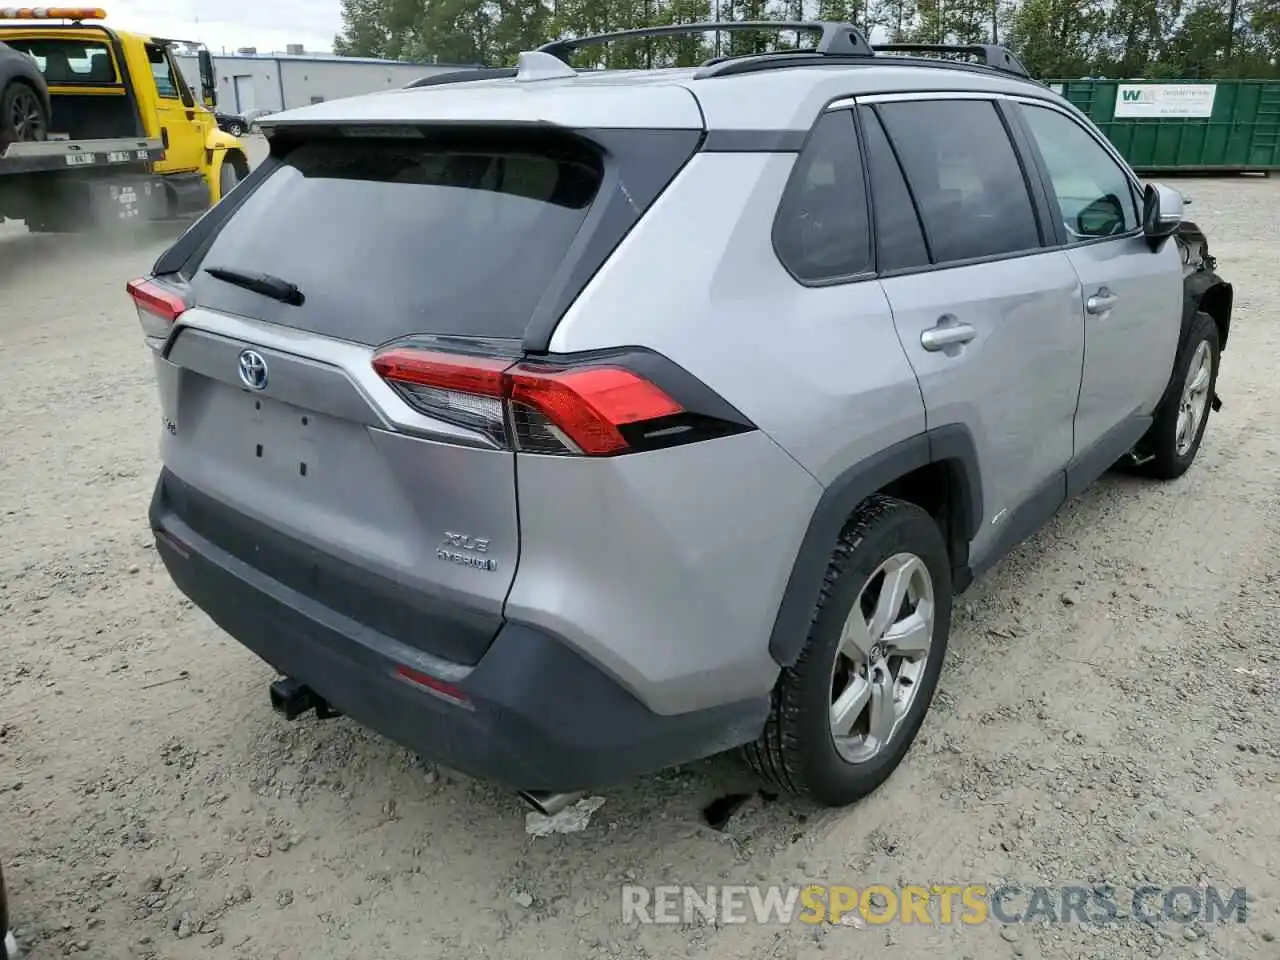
x=591, y=405
x=158, y=307
x=583, y=411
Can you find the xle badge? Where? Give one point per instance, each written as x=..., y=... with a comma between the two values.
x=466, y=551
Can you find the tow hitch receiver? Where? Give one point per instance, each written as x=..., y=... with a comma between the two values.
x=293, y=699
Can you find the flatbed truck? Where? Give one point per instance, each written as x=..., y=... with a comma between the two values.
x=128, y=140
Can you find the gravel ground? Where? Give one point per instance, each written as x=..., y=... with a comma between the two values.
x=1109, y=712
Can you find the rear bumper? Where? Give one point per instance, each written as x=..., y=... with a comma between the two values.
x=541, y=717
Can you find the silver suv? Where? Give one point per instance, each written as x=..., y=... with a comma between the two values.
x=567, y=425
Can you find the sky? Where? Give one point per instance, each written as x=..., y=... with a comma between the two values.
x=265, y=24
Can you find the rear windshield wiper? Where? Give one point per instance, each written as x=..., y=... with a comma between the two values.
x=263, y=283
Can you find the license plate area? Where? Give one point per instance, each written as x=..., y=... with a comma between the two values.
x=282, y=441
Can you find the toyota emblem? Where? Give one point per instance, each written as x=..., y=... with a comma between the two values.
x=253, y=369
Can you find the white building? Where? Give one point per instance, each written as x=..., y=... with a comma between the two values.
x=282, y=81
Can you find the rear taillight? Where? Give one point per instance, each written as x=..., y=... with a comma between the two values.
x=595, y=408
x=158, y=306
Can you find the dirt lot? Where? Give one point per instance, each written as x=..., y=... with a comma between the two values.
x=1110, y=712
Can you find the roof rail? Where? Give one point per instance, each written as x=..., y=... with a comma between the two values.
x=837, y=43
x=462, y=76
x=989, y=54
x=836, y=39
x=992, y=58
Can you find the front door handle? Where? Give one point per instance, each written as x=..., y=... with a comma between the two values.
x=1101, y=302
x=946, y=334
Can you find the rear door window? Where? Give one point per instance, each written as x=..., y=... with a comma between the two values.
x=390, y=237
x=965, y=176
x=899, y=238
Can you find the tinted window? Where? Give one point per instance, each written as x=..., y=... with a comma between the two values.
x=69, y=61
x=965, y=176
x=899, y=239
x=821, y=231
x=388, y=237
x=1093, y=191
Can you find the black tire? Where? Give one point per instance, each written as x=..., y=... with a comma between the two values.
x=796, y=751
x=23, y=118
x=228, y=177
x=235, y=130
x=1161, y=442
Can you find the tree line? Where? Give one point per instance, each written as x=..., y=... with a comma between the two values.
x=1156, y=39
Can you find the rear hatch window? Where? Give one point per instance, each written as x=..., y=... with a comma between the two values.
x=390, y=237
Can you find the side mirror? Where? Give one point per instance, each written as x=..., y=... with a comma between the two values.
x=1161, y=213
x=208, y=79
x=1102, y=218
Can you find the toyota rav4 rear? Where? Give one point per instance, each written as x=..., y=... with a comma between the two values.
x=379, y=478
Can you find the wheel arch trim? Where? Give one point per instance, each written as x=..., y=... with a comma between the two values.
x=1214, y=296
x=951, y=446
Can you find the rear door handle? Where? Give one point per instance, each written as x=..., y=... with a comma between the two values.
x=946, y=335
x=1101, y=302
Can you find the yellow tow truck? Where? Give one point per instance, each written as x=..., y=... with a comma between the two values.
x=127, y=139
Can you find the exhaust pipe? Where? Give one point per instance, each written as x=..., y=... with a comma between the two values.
x=549, y=804
x=292, y=699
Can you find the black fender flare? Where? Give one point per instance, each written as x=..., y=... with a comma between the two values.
x=950, y=446
x=1203, y=289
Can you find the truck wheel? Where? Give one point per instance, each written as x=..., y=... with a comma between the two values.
x=22, y=115
x=235, y=129
x=1174, y=438
x=845, y=714
x=227, y=178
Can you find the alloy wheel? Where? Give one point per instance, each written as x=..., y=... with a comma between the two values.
x=1195, y=398
x=26, y=118
x=884, y=647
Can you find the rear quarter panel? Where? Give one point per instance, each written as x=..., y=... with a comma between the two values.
x=712, y=532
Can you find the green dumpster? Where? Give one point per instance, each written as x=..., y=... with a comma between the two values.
x=1187, y=126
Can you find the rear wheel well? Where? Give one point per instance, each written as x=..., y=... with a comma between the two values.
x=936, y=470
x=1216, y=302
x=939, y=489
